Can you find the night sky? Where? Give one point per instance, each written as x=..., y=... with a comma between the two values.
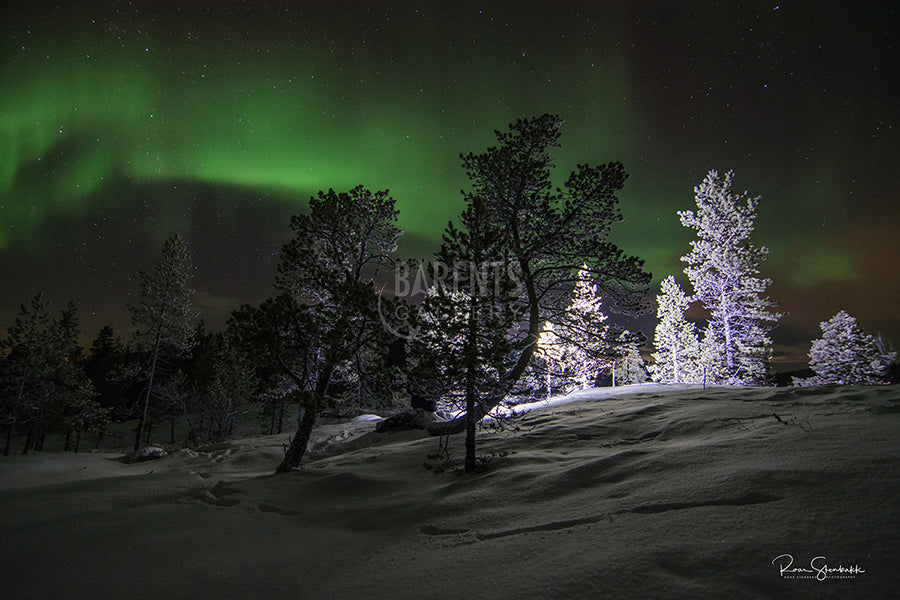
x=122, y=123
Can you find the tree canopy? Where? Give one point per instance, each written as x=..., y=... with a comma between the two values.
x=550, y=234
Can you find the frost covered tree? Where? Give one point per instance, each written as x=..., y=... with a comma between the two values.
x=585, y=332
x=549, y=233
x=846, y=355
x=164, y=318
x=552, y=351
x=628, y=366
x=723, y=268
x=579, y=343
x=677, y=347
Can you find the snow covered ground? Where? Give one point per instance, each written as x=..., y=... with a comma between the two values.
x=641, y=492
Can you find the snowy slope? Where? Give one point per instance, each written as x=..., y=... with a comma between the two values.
x=642, y=492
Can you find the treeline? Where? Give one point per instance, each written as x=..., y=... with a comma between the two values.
x=51, y=385
x=510, y=308
x=330, y=340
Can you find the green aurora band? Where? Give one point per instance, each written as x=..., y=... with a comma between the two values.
x=257, y=107
x=80, y=113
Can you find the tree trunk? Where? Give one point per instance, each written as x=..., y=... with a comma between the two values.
x=68, y=440
x=172, y=430
x=156, y=345
x=729, y=351
x=458, y=424
x=674, y=357
x=143, y=419
x=29, y=440
x=77, y=440
x=471, y=388
x=10, y=432
x=300, y=441
x=470, y=419
x=192, y=431
x=307, y=420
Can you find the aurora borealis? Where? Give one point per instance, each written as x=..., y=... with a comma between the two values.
x=122, y=123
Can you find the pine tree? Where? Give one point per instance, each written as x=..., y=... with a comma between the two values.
x=556, y=356
x=164, y=318
x=326, y=320
x=42, y=383
x=24, y=384
x=479, y=346
x=548, y=233
x=677, y=347
x=104, y=366
x=723, y=266
x=73, y=408
x=223, y=381
x=846, y=355
x=585, y=329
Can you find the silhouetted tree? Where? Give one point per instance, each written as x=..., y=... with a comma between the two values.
x=105, y=366
x=224, y=381
x=164, y=318
x=326, y=319
x=477, y=299
x=549, y=234
x=41, y=380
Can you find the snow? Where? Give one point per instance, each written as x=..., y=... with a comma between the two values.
x=367, y=417
x=642, y=491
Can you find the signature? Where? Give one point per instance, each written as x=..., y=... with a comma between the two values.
x=818, y=568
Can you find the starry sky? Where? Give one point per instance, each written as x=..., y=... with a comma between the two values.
x=122, y=123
